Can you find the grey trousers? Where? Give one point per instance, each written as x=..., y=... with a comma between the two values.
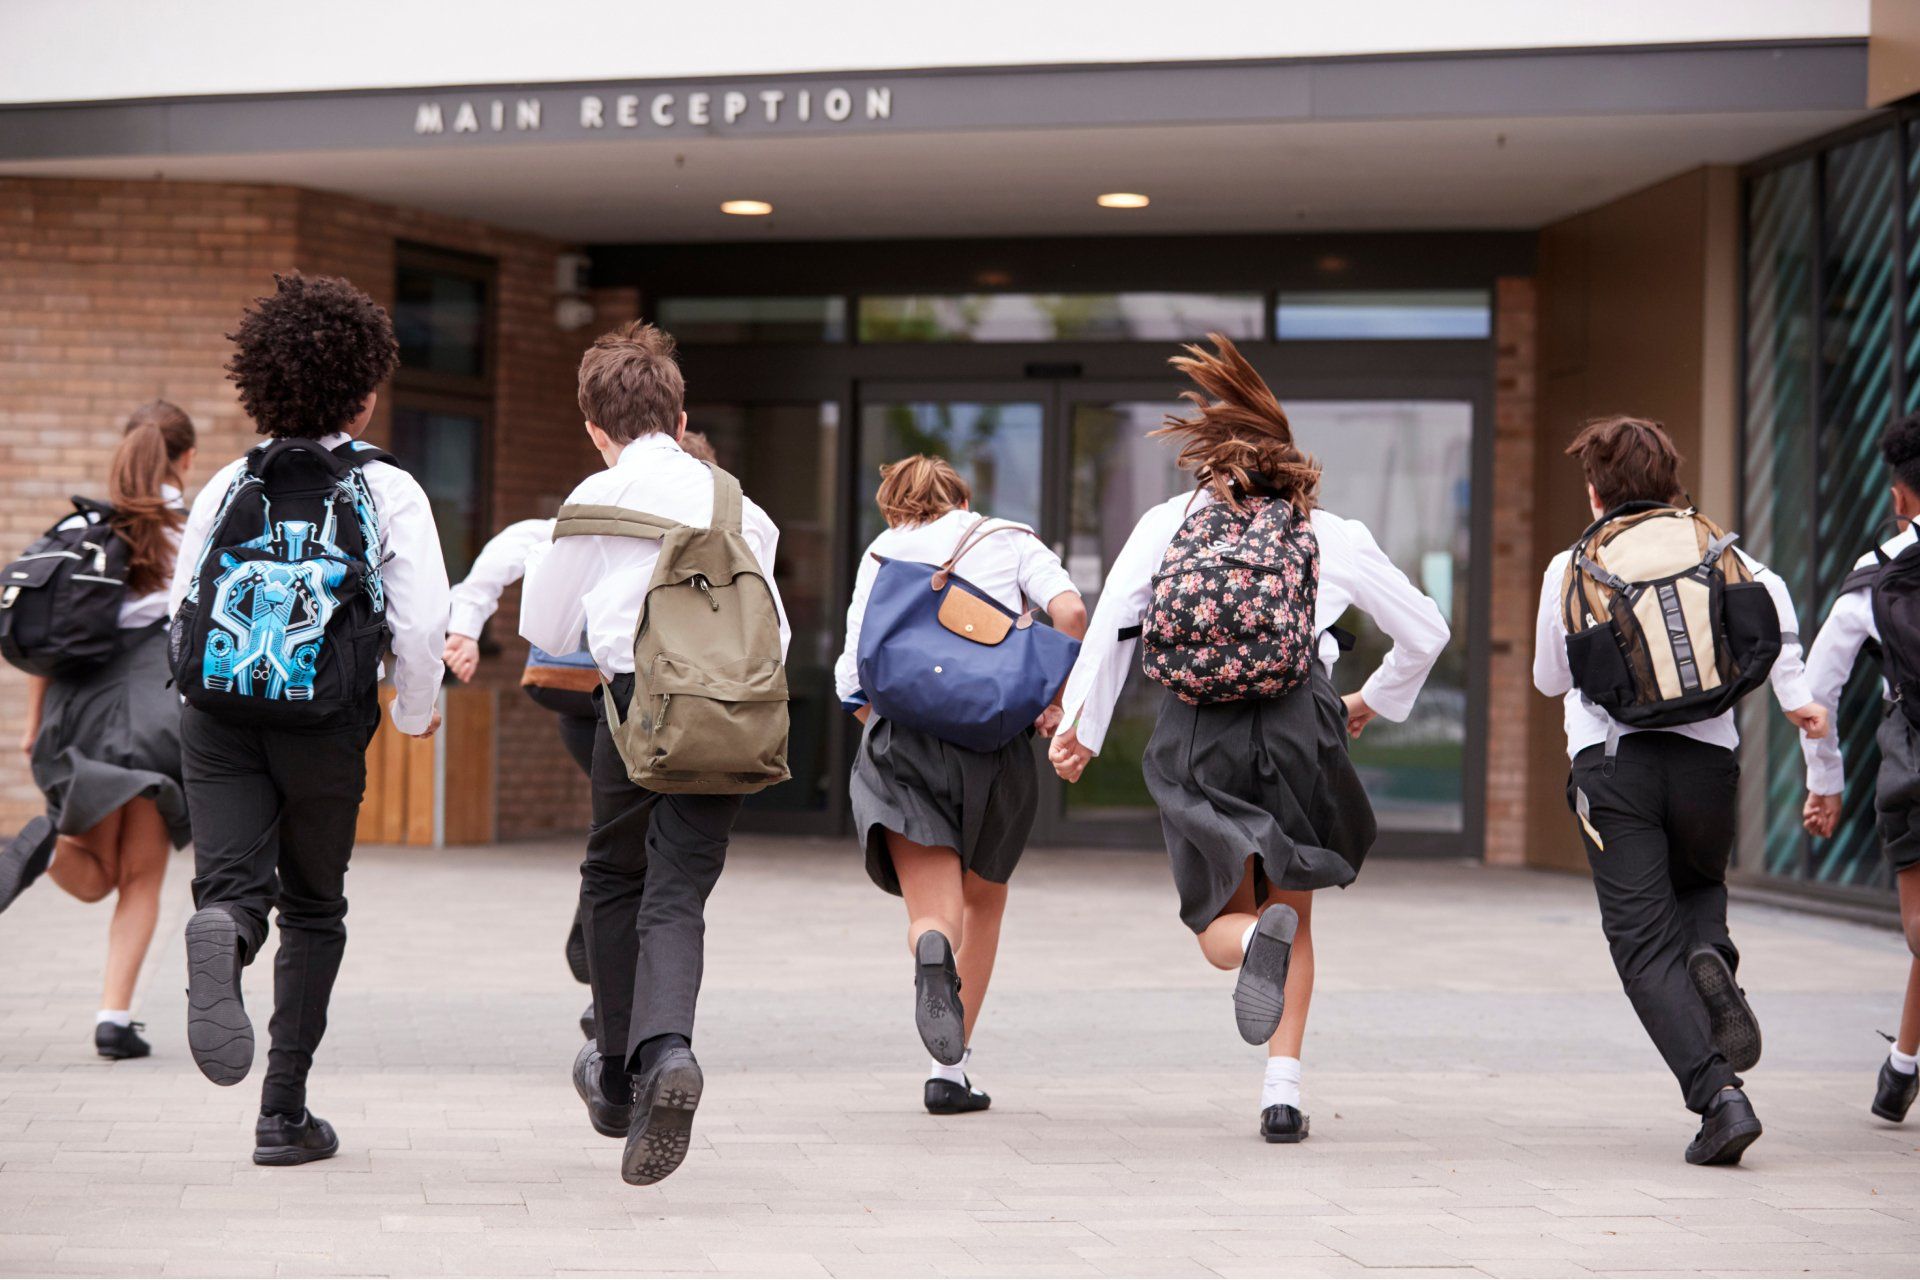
x=652, y=860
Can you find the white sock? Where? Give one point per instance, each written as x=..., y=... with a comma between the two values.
x=118, y=1017
x=1281, y=1088
x=1905, y=1063
x=1246, y=939
x=957, y=1073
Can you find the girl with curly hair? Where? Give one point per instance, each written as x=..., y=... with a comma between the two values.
x=1236, y=586
x=104, y=745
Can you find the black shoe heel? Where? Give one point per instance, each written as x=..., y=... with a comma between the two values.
x=937, y=1012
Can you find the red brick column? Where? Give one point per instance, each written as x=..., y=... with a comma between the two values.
x=1515, y=576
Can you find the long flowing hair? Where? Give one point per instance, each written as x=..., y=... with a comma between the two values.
x=1238, y=441
x=157, y=436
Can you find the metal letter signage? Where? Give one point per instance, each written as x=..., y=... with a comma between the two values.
x=683, y=110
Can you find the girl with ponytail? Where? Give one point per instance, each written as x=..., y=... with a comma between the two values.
x=105, y=745
x=1236, y=586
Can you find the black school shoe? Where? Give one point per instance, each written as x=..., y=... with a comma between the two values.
x=945, y=1098
x=1727, y=1129
x=218, y=1029
x=1282, y=1123
x=111, y=1040
x=663, y=1118
x=301, y=1139
x=25, y=857
x=589, y=1023
x=1893, y=1095
x=1260, y=995
x=1736, y=1032
x=937, y=1011
x=609, y=1119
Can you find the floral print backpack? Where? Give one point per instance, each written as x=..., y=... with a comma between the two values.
x=1233, y=604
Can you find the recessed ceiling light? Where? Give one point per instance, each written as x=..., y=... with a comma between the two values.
x=1121, y=200
x=746, y=208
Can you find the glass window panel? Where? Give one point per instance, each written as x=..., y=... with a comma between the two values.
x=1432, y=313
x=784, y=456
x=440, y=319
x=754, y=319
x=446, y=453
x=994, y=444
x=1059, y=317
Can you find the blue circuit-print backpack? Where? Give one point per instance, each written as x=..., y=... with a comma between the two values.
x=940, y=655
x=285, y=620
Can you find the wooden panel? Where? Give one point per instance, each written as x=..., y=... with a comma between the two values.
x=467, y=773
x=422, y=781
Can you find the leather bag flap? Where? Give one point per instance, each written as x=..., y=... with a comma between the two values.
x=971, y=618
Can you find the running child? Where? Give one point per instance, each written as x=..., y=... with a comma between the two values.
x=301, y=562
x=1235, y=589
x=1649, y=676
x=943, y=825
x=1874, y=593
x=104, y=741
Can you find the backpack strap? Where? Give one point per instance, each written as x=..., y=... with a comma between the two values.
x=976, y=533
x=587, y=519
x=726, y=501
x=358, y=453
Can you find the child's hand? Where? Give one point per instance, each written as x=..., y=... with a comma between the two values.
x=1047, y=721
x=1359, y=714
x=433, y=726
x=1068, y=756
x=462, y=656
x=1810, y=720
x=1821, y=814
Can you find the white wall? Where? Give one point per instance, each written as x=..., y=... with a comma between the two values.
x=74, y=50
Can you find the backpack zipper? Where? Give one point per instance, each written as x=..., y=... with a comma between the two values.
x=660, y=721
x=706, y=589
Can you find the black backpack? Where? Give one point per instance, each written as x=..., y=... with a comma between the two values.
x=60, y=601
x=286, y=619
x=1895, y=585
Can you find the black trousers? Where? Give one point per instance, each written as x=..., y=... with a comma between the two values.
x=273, y=814
x=1658, y=830
x=652, y=860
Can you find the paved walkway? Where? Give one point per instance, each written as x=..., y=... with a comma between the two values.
x=1482, y=1101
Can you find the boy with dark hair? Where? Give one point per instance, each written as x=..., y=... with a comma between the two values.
x=652, y=858
x=1855, y=622
x=1654, y=772
x=299, y=563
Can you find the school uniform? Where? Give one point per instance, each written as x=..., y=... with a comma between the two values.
x=652, y=859
x=1849, y=628
x=112, y=734
x=1269, y=777
x=1657, y=824
x=563, y=683
x=980, y=804
x=275, y=808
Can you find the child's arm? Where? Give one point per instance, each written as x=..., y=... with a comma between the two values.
x=846, y=669
x=499, y=565
x=415, y=579
x=1410, y=619
x=1835, y=650
x=1789, y=673
x=553, y=597
x=1551, y=674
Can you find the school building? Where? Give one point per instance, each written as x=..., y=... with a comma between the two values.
x=1445, y=233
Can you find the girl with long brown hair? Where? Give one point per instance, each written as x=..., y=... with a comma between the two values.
x=105, y=746
x=1236, y=586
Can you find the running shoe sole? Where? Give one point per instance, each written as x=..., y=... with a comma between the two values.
x=24, y=858
x=1736, y=1032
x=937, y=1011
x=657, y=1147
x=281, y=1156
x=218, y=1029
x=1260, y=995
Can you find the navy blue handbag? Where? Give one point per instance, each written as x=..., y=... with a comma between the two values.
x=940, y=655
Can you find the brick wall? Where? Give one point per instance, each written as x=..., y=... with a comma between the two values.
x=1515, y=575
x=112, y=293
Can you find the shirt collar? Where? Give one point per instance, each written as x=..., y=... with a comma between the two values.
x=640, y=447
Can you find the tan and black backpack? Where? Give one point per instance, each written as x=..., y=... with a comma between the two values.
x=709, y=708
x=1665, y=624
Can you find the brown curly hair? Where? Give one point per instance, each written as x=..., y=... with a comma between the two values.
x=1240, y=441
x=306, y=356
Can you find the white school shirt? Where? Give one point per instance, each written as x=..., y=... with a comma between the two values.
x=499, y=565
x=1587, y=725
x=1354, y=572
x=143, y=610
x=600, y=582
x=1002, y=564
x=1849, y=626
x=412, y=571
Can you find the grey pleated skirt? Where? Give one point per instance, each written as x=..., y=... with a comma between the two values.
x=978, y=803
x=111, y=735
x=1267, y=779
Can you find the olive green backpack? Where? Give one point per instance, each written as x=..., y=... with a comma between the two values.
x=709, y=709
